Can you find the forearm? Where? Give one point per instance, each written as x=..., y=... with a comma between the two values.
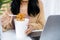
x=6, y=23
x=37, y=26
x=6, y=27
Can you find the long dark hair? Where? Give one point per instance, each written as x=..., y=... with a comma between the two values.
x=33, y=8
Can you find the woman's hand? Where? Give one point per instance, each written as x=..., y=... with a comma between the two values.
x=6, y=19
x=30, y=29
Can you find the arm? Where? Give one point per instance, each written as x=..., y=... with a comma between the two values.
x=6, y=20
x=37, y=22
x=40, y=21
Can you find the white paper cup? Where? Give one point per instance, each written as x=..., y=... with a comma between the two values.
x=20, y=27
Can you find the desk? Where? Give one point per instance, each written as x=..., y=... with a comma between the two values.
x=10, y=35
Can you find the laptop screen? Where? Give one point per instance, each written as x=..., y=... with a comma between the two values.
x=52, y=29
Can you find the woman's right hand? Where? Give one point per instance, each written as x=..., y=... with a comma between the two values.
x=5, y=20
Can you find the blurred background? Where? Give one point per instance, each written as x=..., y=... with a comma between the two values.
x=3, y=5
x=51, y=7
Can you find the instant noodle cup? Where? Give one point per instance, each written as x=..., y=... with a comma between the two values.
x=21, y=25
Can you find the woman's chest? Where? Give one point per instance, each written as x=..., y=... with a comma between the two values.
x=23, y=9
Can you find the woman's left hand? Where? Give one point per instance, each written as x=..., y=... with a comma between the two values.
x=30, y=29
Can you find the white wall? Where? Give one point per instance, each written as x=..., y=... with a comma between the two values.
x=51, y=7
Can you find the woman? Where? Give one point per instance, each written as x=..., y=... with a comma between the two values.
x=32, y=8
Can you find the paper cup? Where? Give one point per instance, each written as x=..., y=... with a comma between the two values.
x=20, y=27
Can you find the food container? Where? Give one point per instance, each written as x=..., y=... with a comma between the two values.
x=21, y=27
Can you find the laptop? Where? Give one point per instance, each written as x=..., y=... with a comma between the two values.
x=52, y=28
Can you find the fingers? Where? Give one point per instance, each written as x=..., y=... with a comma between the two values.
x=29, y=30
x=5, y=19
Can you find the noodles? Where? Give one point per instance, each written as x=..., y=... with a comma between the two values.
x=20, y=17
